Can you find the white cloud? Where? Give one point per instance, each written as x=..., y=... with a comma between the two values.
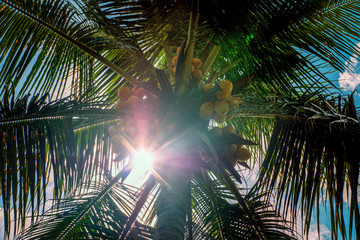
x=324, y=232
x=349, y=79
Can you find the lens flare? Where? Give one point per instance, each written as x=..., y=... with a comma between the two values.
x=142, y=161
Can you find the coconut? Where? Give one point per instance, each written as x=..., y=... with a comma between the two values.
x=242, y=154
x=217, y=131
x=221, y=107
x=206, y=87
x=174, y=60
x=223, y=95
x=120, y=104
x=197, y=74
x=206, y=110
x=197, y=63
x=226, y=86
x=234, y=102
x=219, y=118
x=124, y=93
x=230, y=157
x=139, y=92
x=230, y=129
x=134, y=101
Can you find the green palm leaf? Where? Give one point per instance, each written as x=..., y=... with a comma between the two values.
x=97, y=211
x=314, y=154
x=38, y=140
x=49, y=42
x=212, y=207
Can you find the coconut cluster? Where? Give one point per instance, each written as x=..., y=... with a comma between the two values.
x=218, y=107
x=196, y=64
x=232, y=153
x=136, y=125
x=155, y=117
x=130, y=97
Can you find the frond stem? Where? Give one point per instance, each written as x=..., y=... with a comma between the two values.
x=150, y=183
x=79, y=45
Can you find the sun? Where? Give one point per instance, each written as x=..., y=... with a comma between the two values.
x=142, y=161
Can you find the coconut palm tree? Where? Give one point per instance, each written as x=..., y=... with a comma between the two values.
x=213, y=89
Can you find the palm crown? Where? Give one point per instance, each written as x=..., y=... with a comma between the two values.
x=210, y=87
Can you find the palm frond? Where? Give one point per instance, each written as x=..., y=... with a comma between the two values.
x=134, y=20
x=49, y=42
x=144, y=196
x=99, y=211
x=217, y=216
x=234, y=217
x=314, y=154
x=271, y=49
x=38, y=140
x=263, y=40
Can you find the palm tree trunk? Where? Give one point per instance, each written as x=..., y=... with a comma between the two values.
x=171, y=211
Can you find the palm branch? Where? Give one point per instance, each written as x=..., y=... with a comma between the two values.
x=96, y=211
x=312, y=153
x=53, y=45
x=102, y=212
x=40, y=139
